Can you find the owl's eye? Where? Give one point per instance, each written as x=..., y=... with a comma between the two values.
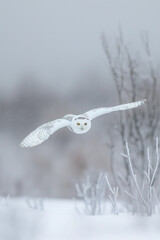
x=85, y=124
x=78, y=123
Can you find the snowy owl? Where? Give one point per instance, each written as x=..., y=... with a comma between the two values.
x=78, y=124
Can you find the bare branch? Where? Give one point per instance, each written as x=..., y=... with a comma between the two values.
x=157, y=162
x=113, y=196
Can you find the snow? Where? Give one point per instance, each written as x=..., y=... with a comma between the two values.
x=59, y=220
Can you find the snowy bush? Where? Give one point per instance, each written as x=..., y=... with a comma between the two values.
x=92, y=195
x=36, y=203
x=145, y=195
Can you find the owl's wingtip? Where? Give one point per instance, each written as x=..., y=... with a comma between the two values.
x=22, y=145
x=143, y=101
x=26, y=144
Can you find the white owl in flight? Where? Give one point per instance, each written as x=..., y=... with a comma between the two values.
x=78, y=124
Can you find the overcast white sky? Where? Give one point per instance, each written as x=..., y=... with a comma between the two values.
x=57, y=39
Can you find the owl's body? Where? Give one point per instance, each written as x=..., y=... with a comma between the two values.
x=78, y=124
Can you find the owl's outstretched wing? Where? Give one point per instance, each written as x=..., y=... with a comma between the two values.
x=100, y=111
x=43, y=132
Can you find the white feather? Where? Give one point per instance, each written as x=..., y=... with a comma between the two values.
x=101, y=111
x=43, y=132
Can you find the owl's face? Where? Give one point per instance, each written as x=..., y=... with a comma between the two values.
x=81, y=125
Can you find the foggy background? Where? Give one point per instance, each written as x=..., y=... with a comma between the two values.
x=52, y=63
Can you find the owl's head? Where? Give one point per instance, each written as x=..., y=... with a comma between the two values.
x=81, y=125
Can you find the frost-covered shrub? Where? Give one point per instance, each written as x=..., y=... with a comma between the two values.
x=93, y=195
x=35, y=203
x=145, y=195
x=142, y=196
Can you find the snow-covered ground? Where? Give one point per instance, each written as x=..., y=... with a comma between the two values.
x=59, y=220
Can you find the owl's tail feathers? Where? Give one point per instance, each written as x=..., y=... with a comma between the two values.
x=35, y=138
